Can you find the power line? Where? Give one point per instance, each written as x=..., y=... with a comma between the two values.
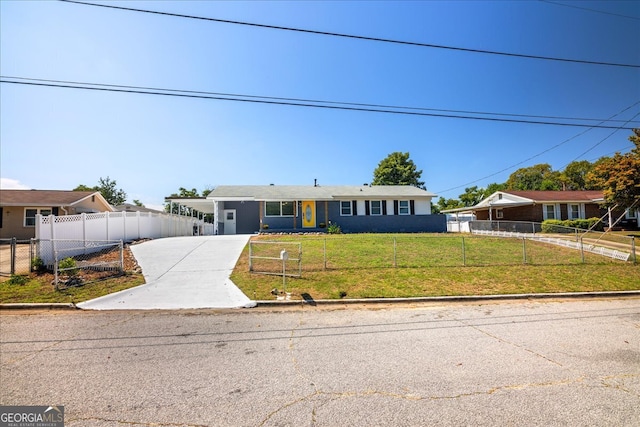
x=590, y=10
x=545, y=151
x=358, y=37
x=313, y=101
x=299, y=104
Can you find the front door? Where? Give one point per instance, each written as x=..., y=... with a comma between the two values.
x=229, y=221
x=309, y=214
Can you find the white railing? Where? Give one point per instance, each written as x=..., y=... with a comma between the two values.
x=579, y=244
x=125, y=226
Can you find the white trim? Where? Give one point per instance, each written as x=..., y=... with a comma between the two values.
x=350, y=208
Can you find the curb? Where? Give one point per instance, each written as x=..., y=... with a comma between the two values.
x=459, y=298
x=312, y=302
x=38, y=306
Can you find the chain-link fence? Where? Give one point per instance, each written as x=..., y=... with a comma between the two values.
x=15, y=256
x=79, y=262
x=368, y=251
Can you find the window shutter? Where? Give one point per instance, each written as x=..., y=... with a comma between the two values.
x=395, y=208
x=54, y=211
x=384, y=207
x=367, y=208
x=354, y=207
x=412, y=207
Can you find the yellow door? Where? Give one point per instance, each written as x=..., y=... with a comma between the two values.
x=309, y=214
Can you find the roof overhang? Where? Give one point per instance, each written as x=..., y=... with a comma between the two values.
x=200, y=204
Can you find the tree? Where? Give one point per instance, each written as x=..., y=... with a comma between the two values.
x=537, y=177
x=397, y=169
x=444, y=204
x=574, y=176
x=138, y=203
x=107, y=188
x=619, y=176
x=472, y=196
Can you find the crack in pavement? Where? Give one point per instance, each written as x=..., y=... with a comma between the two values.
x=133, y=423
x=326, y=396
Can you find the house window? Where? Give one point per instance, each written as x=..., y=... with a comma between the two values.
x=549, y=211
x=30, y=215
x=403, y=207
x=499, y=214
x=573, y=211
x=376, y=207
x=279, y=208
x=631, y=213
x=345, y=208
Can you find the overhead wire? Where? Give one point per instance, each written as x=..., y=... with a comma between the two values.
x=301, y=104
x=604, y=12
x=312, y=101
x=543, y=152
x=357, y=37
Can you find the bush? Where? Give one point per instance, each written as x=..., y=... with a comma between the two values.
x=553, y=226
x=334, y=228
x=68, y=265
x=557, y=226
x=18, y=280
x=37, y=265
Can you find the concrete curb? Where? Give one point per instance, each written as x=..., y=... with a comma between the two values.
x=38, y=306
x=460, y=298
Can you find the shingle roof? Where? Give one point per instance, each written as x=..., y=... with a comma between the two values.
x=559, y=196
x=42, y=197
x=310, y=192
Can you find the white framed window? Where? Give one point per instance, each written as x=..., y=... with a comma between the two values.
x=499, y=213
x=631, y=213
x=30, y=215
x=549, y=212
x=573, y=211
x=279, y=208
x=346, y=208
x=376, y=207
x=403, y=207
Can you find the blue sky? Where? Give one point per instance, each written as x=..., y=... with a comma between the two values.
x=57, y=138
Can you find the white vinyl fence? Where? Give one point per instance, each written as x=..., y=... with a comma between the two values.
x=110, y=226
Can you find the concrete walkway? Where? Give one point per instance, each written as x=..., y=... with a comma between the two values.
x=182, y=272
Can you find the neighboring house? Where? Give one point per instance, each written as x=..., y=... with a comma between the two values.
x=246, y=209
x=128, y=207
x=18, y=208
x=538, y=206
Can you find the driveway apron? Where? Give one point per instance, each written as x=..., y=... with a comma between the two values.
x=182, y=272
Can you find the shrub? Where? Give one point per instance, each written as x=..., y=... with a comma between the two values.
x=334, y=228
x=18, y=280
x=552, y=226
x=69, y=266
x=37, y=264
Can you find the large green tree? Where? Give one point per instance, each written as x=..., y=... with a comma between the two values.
x=106, y=187
x=397, y=169
x=619, y=176
x=574, y=176
x=537, y=177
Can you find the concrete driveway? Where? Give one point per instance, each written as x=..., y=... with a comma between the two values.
x=182, y=272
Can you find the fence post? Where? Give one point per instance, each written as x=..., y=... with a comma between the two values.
x=633, y=249
x=464, y=255
x=581, y=249
x=121, y=245
x=395, y=253
x=324, y=254
x=12, y=252
x=250, y=255
x=524, y=250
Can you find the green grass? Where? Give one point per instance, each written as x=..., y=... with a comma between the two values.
x=38, y=289
x=371, y=266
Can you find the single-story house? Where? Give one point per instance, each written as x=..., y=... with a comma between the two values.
x=247, y=209
x=538, y=206
x=18, y=208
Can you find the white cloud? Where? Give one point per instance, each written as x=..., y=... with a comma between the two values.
x=12, y=184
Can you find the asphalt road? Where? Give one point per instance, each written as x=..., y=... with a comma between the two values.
x=533, y=363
